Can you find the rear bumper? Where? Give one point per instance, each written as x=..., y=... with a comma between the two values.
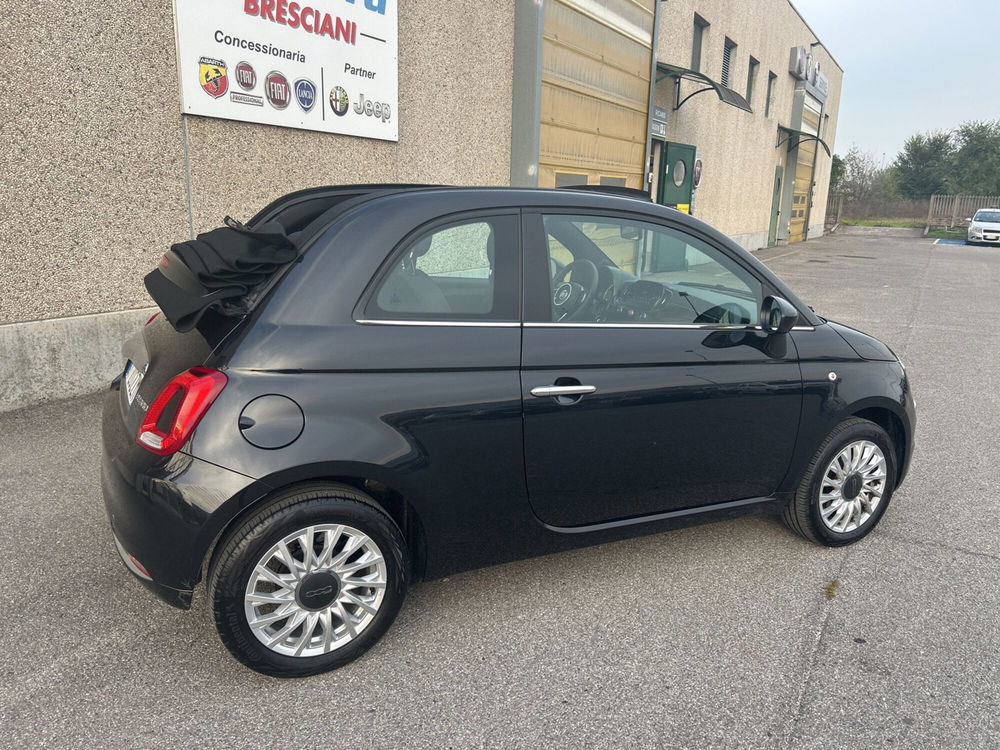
x=910, y=428
x=165, y=513
x=180, y=598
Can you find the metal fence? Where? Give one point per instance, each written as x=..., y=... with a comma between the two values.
x=949, y=211
x=840, y=206
x=886, y=208
x=834, y=210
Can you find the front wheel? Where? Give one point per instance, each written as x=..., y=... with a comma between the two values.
x=846, y=488
x=309, y=583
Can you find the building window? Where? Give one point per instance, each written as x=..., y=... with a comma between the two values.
x=751, y=79
x=771, y=78
x=728, y=52
x=700, y=24
x=565, y=179
x=614, y=181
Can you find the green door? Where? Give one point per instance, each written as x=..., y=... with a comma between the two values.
x=772, y=230
x=676, y=176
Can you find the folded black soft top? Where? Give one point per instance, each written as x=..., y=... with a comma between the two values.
x=217, y=270
x=226, y=269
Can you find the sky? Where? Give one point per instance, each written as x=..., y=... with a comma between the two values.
x=909, y=66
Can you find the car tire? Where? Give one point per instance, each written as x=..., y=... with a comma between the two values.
x=814, y=512
x=354, y=543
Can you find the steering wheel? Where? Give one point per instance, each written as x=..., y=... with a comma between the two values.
x=727, y=314
x=571, y=299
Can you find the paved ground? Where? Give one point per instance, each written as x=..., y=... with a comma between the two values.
x=715, y=636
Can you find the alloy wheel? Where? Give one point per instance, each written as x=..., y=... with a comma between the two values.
x=316, y=590
x=852, y=486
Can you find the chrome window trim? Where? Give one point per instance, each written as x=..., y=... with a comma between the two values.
x=512, y=324
x=440, y=323
x=681, y=326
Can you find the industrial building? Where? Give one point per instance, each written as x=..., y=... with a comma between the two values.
x=129, y=129
x=724, y=109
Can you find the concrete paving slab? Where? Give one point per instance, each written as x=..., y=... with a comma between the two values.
x=908, y=652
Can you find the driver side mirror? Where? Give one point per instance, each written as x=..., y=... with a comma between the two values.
x=778, y=315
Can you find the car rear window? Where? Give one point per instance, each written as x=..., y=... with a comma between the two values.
x=463, y=270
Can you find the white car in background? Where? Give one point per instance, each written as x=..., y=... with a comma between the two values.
x=984, y=227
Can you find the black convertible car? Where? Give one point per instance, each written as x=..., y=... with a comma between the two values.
x=369, y=384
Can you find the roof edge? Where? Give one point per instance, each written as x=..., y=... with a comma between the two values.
x=822, y=44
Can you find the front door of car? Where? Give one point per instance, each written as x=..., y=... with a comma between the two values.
x=646, y=386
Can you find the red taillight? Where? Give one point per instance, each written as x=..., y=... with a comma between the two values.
x=151, y=318
x=175, y=412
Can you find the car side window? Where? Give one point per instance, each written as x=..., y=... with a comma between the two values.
x=626, y=271
x=463, y=270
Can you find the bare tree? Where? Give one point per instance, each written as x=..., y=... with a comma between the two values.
x=862, y=172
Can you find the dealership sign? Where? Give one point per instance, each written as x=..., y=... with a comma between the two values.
x=803, y=66
x=328, y=65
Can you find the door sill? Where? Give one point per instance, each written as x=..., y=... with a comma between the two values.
x=604, y=526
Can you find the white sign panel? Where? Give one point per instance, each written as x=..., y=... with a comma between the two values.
x=329, y=65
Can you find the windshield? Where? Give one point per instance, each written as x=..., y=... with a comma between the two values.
x=990, y=216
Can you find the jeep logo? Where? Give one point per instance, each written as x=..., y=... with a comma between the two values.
x=378, y=110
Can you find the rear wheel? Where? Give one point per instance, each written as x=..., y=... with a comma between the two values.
x=846, y=488
x=310, y=582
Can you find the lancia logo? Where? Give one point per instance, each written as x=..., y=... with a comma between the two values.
x=305, y=93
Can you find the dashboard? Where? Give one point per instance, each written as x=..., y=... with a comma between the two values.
x=623, y=298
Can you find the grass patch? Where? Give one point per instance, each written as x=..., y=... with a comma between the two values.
x=907, y=223
x=936, y=233
x=831, y=589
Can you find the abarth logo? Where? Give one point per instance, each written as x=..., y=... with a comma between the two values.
x=305, y=93
x=213, y=76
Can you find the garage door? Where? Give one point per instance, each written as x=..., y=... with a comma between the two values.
x=596, y=59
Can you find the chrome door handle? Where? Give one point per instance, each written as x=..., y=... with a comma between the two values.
x=543, y=391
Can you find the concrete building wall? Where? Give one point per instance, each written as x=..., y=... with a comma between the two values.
x=736, y=147
x=102, y=173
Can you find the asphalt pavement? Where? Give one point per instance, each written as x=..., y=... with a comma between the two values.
x=734, y=634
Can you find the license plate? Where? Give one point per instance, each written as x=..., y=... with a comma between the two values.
x=132, y=380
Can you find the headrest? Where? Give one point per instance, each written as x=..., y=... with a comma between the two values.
x=418, y=250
